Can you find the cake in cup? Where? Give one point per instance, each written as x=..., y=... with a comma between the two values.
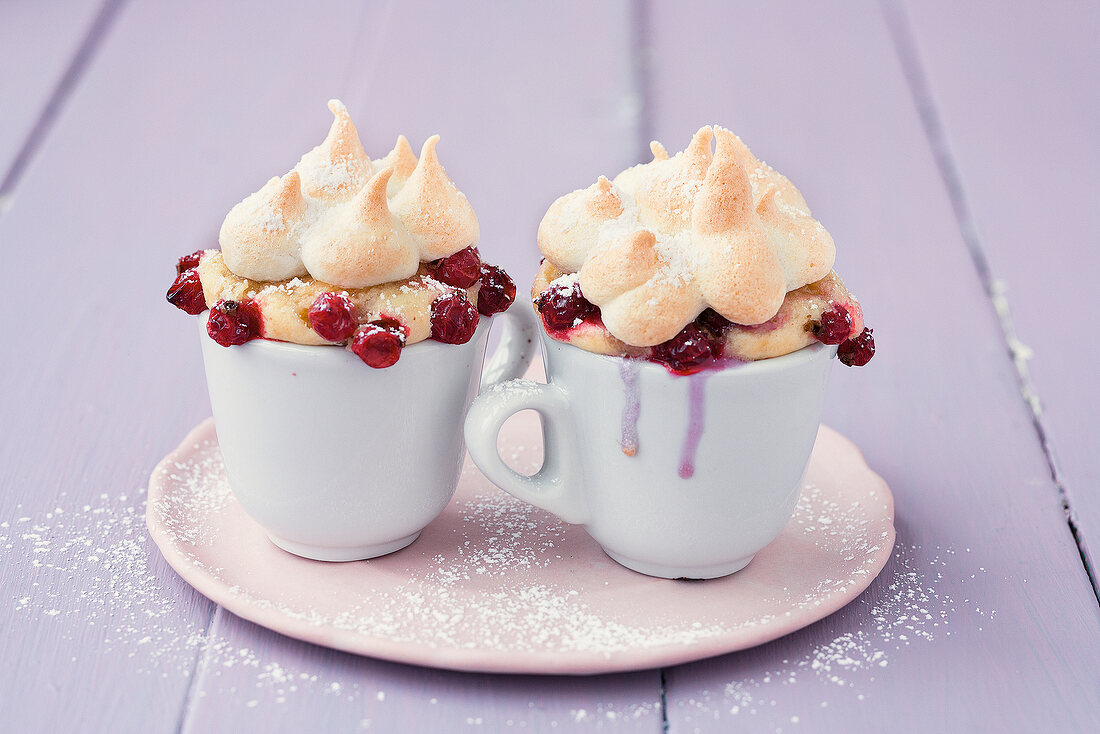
x=690, y=316
x=341, y=265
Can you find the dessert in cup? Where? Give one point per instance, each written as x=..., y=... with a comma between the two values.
x=343, y=328
x=690, y=316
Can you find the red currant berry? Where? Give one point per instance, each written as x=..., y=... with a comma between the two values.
x=713, y=322
x=394, y=324
x=687, y=352
x=564, y=307
x=461, y=269
x=497, y=291
x=332, y=316
x=858, y=350
x=454, y=319
x=189, y=262
x=834, y=327
x=234, y=322
x=186, y=292
x=377, y=345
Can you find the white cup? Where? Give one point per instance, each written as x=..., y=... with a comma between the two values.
x=719, y=457
x=338, y=461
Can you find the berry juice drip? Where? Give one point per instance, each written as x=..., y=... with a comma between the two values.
x=628, y=370
x=696, y=416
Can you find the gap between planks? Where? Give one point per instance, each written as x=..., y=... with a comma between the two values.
x=905, y=44
x=72, y=75
x=200, y=669
x=642, y=104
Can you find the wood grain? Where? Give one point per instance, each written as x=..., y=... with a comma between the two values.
x=821, y=95
x=43, y=47
x=180, y=114
x=515, y=115
x=983, y=621
x=1016, y=92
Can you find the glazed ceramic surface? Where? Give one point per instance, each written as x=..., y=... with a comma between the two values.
x=339, y=461
x=495, y=584
x=675, y=476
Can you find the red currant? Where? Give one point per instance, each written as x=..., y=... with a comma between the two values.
x=858, y=350
x=377, y=345
x=186, y=292
x=332, y=316
x=834, y=327
x=454, y=319
x=461, y=269
x=234, y=322
x=497, y=291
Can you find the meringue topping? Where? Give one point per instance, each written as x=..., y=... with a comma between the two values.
x=433, y=208
x=264, y=231
x=666, y=239
x=338, y=167
x=347, y=220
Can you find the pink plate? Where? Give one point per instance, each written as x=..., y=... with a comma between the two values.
x=494, y=585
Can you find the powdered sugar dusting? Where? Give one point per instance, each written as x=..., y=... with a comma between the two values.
x=92, y=564
x=910, y=608
x=505, y=577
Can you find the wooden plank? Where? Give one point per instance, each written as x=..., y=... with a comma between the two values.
x=40, y=55
x=302, y=687
x=1021, y=91
x=181, y=113
x=985, y=620
x=507, y=121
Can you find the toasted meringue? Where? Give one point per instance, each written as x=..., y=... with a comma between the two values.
x=346, y=220
x=337, y=168
x=403, y=162
x=434, y=210
x=259, y=236
x=693, y=230
x=363, y=244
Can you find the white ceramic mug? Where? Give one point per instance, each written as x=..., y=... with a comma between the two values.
x=718, y=456
x=339, y=461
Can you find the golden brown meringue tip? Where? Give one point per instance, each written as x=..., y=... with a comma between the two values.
x=658, y=150
x=698, y=150
x=433, y=209
x=604, y=203
x=404, y=159
x=338, y=167
x=724, y=201
x=288, y=197
x=371, y=200
x=428, y=156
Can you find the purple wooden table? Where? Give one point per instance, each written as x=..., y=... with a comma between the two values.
x=951, y=152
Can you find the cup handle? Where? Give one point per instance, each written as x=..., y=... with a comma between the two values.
x=556, y=487
x=517, y=346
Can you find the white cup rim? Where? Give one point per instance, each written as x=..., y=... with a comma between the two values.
x=742, y=370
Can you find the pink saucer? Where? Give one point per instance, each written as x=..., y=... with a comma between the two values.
x=494, y=585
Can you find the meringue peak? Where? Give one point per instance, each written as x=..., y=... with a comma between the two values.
x=724, y=201
x=338, y=167
x=258, y=236
x=404, y=160
x=371, y=201
x=604, y=202
x=435, y=212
